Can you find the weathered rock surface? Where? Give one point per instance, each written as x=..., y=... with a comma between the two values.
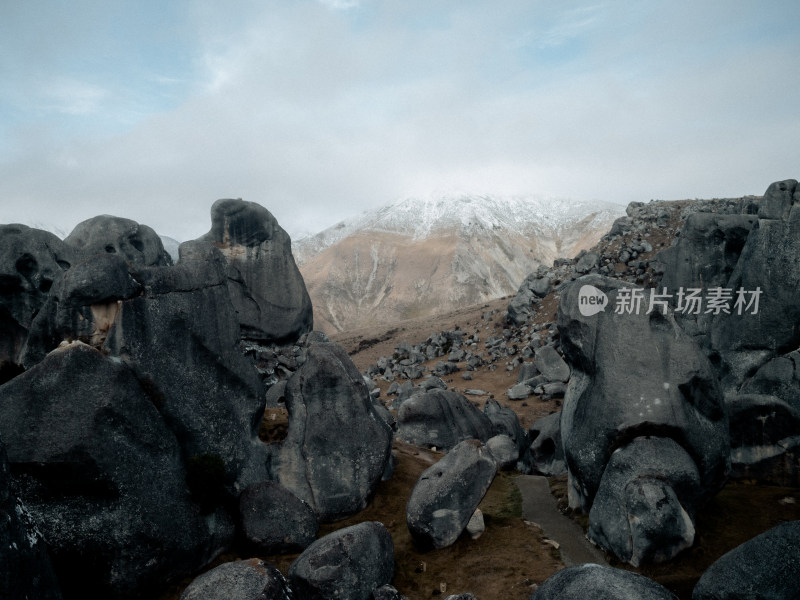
x=387, y=592
x=545, y=455
x=346, y=565
x=504, y=451
x=447, y=494
x=600, y=583
x=337, y=446
x=779, y=377
x=442, y=419
x=274, y=520
x=505, y=421
x=135, y=243
x=25, y=567
x=100, y=472
x=644, y=509
x=551, y=365
x=766, y=567
x=635, y=375
x=250, y=579
x=778, y=200
x=767, y=266
x=266, y=287
x=31, y=260
x=765, y=439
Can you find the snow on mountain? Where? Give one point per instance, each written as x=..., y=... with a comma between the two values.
x=423, y=217
x=421, y=256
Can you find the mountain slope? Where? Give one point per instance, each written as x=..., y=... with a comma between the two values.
x=423, y=256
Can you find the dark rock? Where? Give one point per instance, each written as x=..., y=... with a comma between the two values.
x=182, y=337
x=519, y=391
x=347, y=564
x=433, y=382
x=276, y=394
x=25, y=567
x=766, y=567
x=527, y=371
x=546, y=454
x=251, y=579
x=104, y=479
x=779, y=377
x=447, y=494
x=504, y=451
x=31, y=260
x=533, y=287
x=765, y=439
x=744, y=342
x=266, y=286
x=505, y=421
x=600, y=583
x=644, y=509
x=274, y=520
x=135, y=243
x=387, y=592
x=587, y=263
x=551, y=365
x=778, y=200
x=337, y=446
x=442, y=419
x=621, y=389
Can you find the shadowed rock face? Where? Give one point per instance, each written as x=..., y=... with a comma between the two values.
x=31, y=261
x=266, y=287
x=243, y=579
x=337, y=446
x=103, y=477
x=137, y=244
x=637, y=375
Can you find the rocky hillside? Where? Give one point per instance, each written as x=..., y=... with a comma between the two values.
x=426, y=256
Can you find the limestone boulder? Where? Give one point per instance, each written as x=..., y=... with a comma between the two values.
x=337, y=445
x=266, y=287
x=600, y=583
x=442, y=419
x=446, y=494
x=251, y=579
x=106, y=234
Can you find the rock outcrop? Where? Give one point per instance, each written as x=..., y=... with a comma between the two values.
x=447, y=494
x=545, y=455
x=274, y=520
x=337, y=446
x=347, y=564
x=104, y=478
x=636, y=375
x=442, y=419
x=31, y=261
x=266, y=287
x=137, y=244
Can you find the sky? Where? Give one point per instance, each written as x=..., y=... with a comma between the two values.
x=321, y=109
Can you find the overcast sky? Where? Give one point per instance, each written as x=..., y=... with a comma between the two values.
x=320, y=109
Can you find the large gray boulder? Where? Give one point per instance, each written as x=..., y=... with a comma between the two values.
x=250, y=579
x=768, y=269
x=644, y=509
x=31, y=261
x=345, y=565
x=274, y=520
x=634, y=375
x=534, y=286
x=778, y=200
x=103, y=477
x=337, y=446
x=506, y=422
x=447, y=494
x=600, y=583
x=545, y=455
x=266, y=286
x=135, y=243
x=25, y=567
x=442, y=419
x=551, y=365
x=178, y=330
x=765, y=439
x=779, y=377
x=765, y=568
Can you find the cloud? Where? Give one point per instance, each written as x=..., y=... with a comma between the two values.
x=320, y=111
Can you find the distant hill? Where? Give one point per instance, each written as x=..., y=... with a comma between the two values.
x=423, y=256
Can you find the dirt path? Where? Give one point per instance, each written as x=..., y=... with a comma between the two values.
x=539, y=506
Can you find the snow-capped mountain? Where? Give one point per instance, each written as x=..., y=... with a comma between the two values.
x=421, y=256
